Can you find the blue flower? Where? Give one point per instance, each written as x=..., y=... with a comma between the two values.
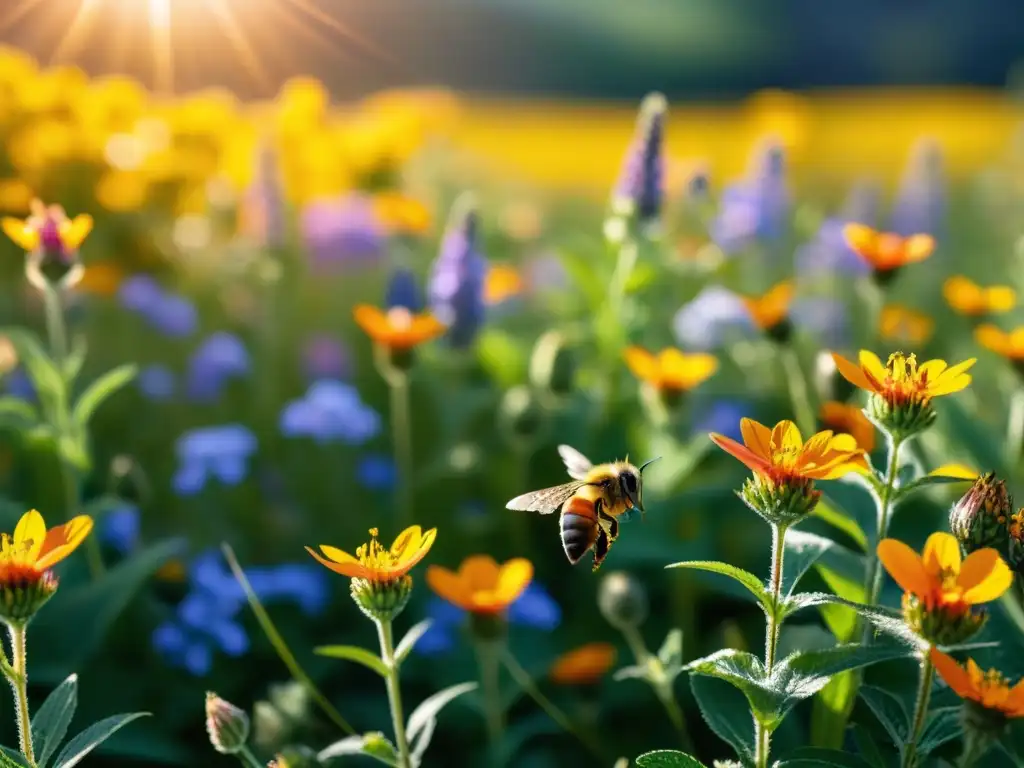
x=535, y=608
x=377, y=472
x=722, y=416
x=704, y=321
x=829, y=253
x=139, y=292
x=19, y=384
x=343, y=231
x=156, y=382
x=457, y=277
x=639, y=191
x=825, y=318
x=324, y=357
x=221, y=358
x=173, y=315
x=403, y=291
x=220, y=453
x=330, y=411
x=121, y=528
x=756, y=209
x=306, y=585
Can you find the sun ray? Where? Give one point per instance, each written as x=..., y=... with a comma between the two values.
x=163, y=51
x=343, y=30
x=18, y=13
x=77, y=30
x=236, y=36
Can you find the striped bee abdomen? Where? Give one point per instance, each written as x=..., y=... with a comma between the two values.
x=578, y=535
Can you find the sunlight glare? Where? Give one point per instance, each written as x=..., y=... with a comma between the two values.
x=160, y=13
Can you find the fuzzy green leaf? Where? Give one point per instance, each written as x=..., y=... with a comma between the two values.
x=671, y=653
x=407, y=643
x=430, y=707
x=99, y=391
x=12, y=758
x=725, y=711
x=943, y=725
x=888, y=710
x=354, y=653
x=745, y=672
x=668, y=758
x=865, y=741
x=50, y=722
x=884, y=619
x=373, y=744
x=85, y=742
x=829, y=510
x=749, y=581
x=40, y=367
x=803, y=550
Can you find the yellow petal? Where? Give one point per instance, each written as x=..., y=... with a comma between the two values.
x=642, y=364
x=336, y=555
x=941, y=552
x=63, y=540
x=479, y=572
x=918, y=248
x=74, y=232
x=514, y=577
x=407, y=542
x=786, y=436
x=757, y=437
x=351, y=568
x=1000, y=298
x=954, y=470
x=24, y=236
x=29, y=535
x=984, y=576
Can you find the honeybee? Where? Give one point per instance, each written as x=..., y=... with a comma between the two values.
x=591, y=505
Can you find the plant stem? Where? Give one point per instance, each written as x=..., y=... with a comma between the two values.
x=401, y=429
x=798, y=390
x=522, y=677
x=55, y=327
x=975, y=745
x=873, y=583
x=246, y=757
x=662, y=687
x=72, y=498
x=762, y=736
x=387, y=654
x=489, y=661
x=18, y=677
x=924, y=694
x=1015, y=429
x=624, y=266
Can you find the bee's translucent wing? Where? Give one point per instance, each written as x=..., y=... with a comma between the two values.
x=546, y=500
x=576, y=463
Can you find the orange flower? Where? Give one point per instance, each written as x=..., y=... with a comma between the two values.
x=769, y=311
x=481, y=585
x=401, y=214
x=781, y=455
x=671, y=369
x=886, y=251
x=901, y=380
x=375, y=563
x=905, y=325
x=48, y=227
x=398, y=328
x=584, y=665
x=989, y=689
x=846, y=419
x=1007, y=344
x=33, y=550
x=503, y=282
x=938, y=578
x=968, y=298
x=101, y=279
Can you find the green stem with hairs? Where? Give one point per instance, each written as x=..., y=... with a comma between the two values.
x=924, y=694
x=873, y=583
x=762, y=736
x=247, y=758
x=387, y=655
x=17, y=675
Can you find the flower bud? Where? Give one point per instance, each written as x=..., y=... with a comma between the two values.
x=900, y=419
x=21, y=598
x=382, y=600
x=622, y=600
x=979, y=518
x=941, y=626
x=226, y=724
x=780, y=503
x=269, y=726
x=520, y=416
x=553, y=365
x=1015, y=541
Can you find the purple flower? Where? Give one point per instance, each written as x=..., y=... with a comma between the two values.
x=221, y=453
x=156, y=382
x=704, y=321
x=722, y=416
x=377, y=472
x=829, y=253
x=825, y=318
x=639, y=190
x=403, y=291
x=457, y=278
x=920, y=205
x=218, y=360
x=343, y=231
x=172, y=315
x=324, y=357
x=330, y=411
x=121, y=528
x=139, y=292
x=757, y=208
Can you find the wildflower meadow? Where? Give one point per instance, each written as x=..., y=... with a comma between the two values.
x=282, y=381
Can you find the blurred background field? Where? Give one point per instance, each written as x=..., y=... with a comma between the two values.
x=256, y=168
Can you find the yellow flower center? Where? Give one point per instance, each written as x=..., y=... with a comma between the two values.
x=993, y=688
x=399, y=318
x=903, y=383
x=373, y=555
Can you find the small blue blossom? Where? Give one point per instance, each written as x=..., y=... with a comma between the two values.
x=120, y=529
x=828, y=253
x=534, y=608
x=173, y=315
x=330, y=411
x=156, y=382
x=324, y=357
x=139, y=292
x=403, y=291
x=722, y=416
x=756, y=209
x=19, y=384
x=921, y=202
x=377, y=472
x=218, y=360
x=457, y=277
x=704, y=321
x=306, y=585
x=220, y=453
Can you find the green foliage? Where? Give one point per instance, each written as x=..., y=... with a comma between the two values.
x=51, y=720
x=749, y=581
x=816, y=757
x=353, y=653
x=374, y=745
x=423, y=720
x=85, y=742
x=668, y=758
x=99, y=392
x=724, y=709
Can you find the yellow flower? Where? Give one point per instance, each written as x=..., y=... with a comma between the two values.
x=781, y=455
x=32, y=551
x=905, y=325
x=846, y=419
x=49, y=228
x=15, y=196
x=373, y=562
x=1006, y=344
x=901, y=380
x=585, y=665
x=989, y=689
x=481, y=585
x=671, y=370
x=939, y=579
x=885, y=251
x=768, y=312
x=503, y=282
x=398, y=328
x=401, y=214
x=968, y=298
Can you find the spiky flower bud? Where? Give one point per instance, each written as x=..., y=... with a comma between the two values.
x=21, y=598
x=553, y=364
x=901, y=419
x=780, y=504
x=639, y=193
x=979, y=518
x=622, y=600
x=226, y=725
x=939, y=625
x=381, y=600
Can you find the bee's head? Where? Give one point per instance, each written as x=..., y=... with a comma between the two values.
x=631, y=481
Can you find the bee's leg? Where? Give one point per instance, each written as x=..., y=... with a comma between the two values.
x=601, y=546
x=613, y=524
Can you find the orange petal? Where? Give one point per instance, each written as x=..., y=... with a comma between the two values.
x=479, y=572
x=956, y=677
x=373, y=322
x=741, y=452
x=1015, y=701
x=918, y=248
x=941, y=552
x=412, y=557
x=424, y=328
x=786, y=436
x=450, y=586
x=642, y=364
x=63, y=540
x=852, y=373
x=757, y=437
x=352, y=569
x=992, y=338
x=905, y=566
x=984, y=576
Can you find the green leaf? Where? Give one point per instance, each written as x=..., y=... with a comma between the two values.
x=373, y=744
x=85, y=742
x=884, y=619
x=431, y=706
x=725, y=711
x=943, y=725
x=888, y=710
x=354, y=653
x=17, y=413
x=407, y=643
x=40, y=367
x=745, y=672
x=502, y=356
x=91, y=609
x=12, y=758
x=831, y=710
x=51, y=721
x=803, y=550
x=816, y=757
x=76, y=358
x=101, y=389
x=828, y=509
x=745, y=578
x=668, y=758
x=983, y=444
x=864, y=740
x=671, y=652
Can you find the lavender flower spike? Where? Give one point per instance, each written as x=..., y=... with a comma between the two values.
x=456, y=288
x=640, y=189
